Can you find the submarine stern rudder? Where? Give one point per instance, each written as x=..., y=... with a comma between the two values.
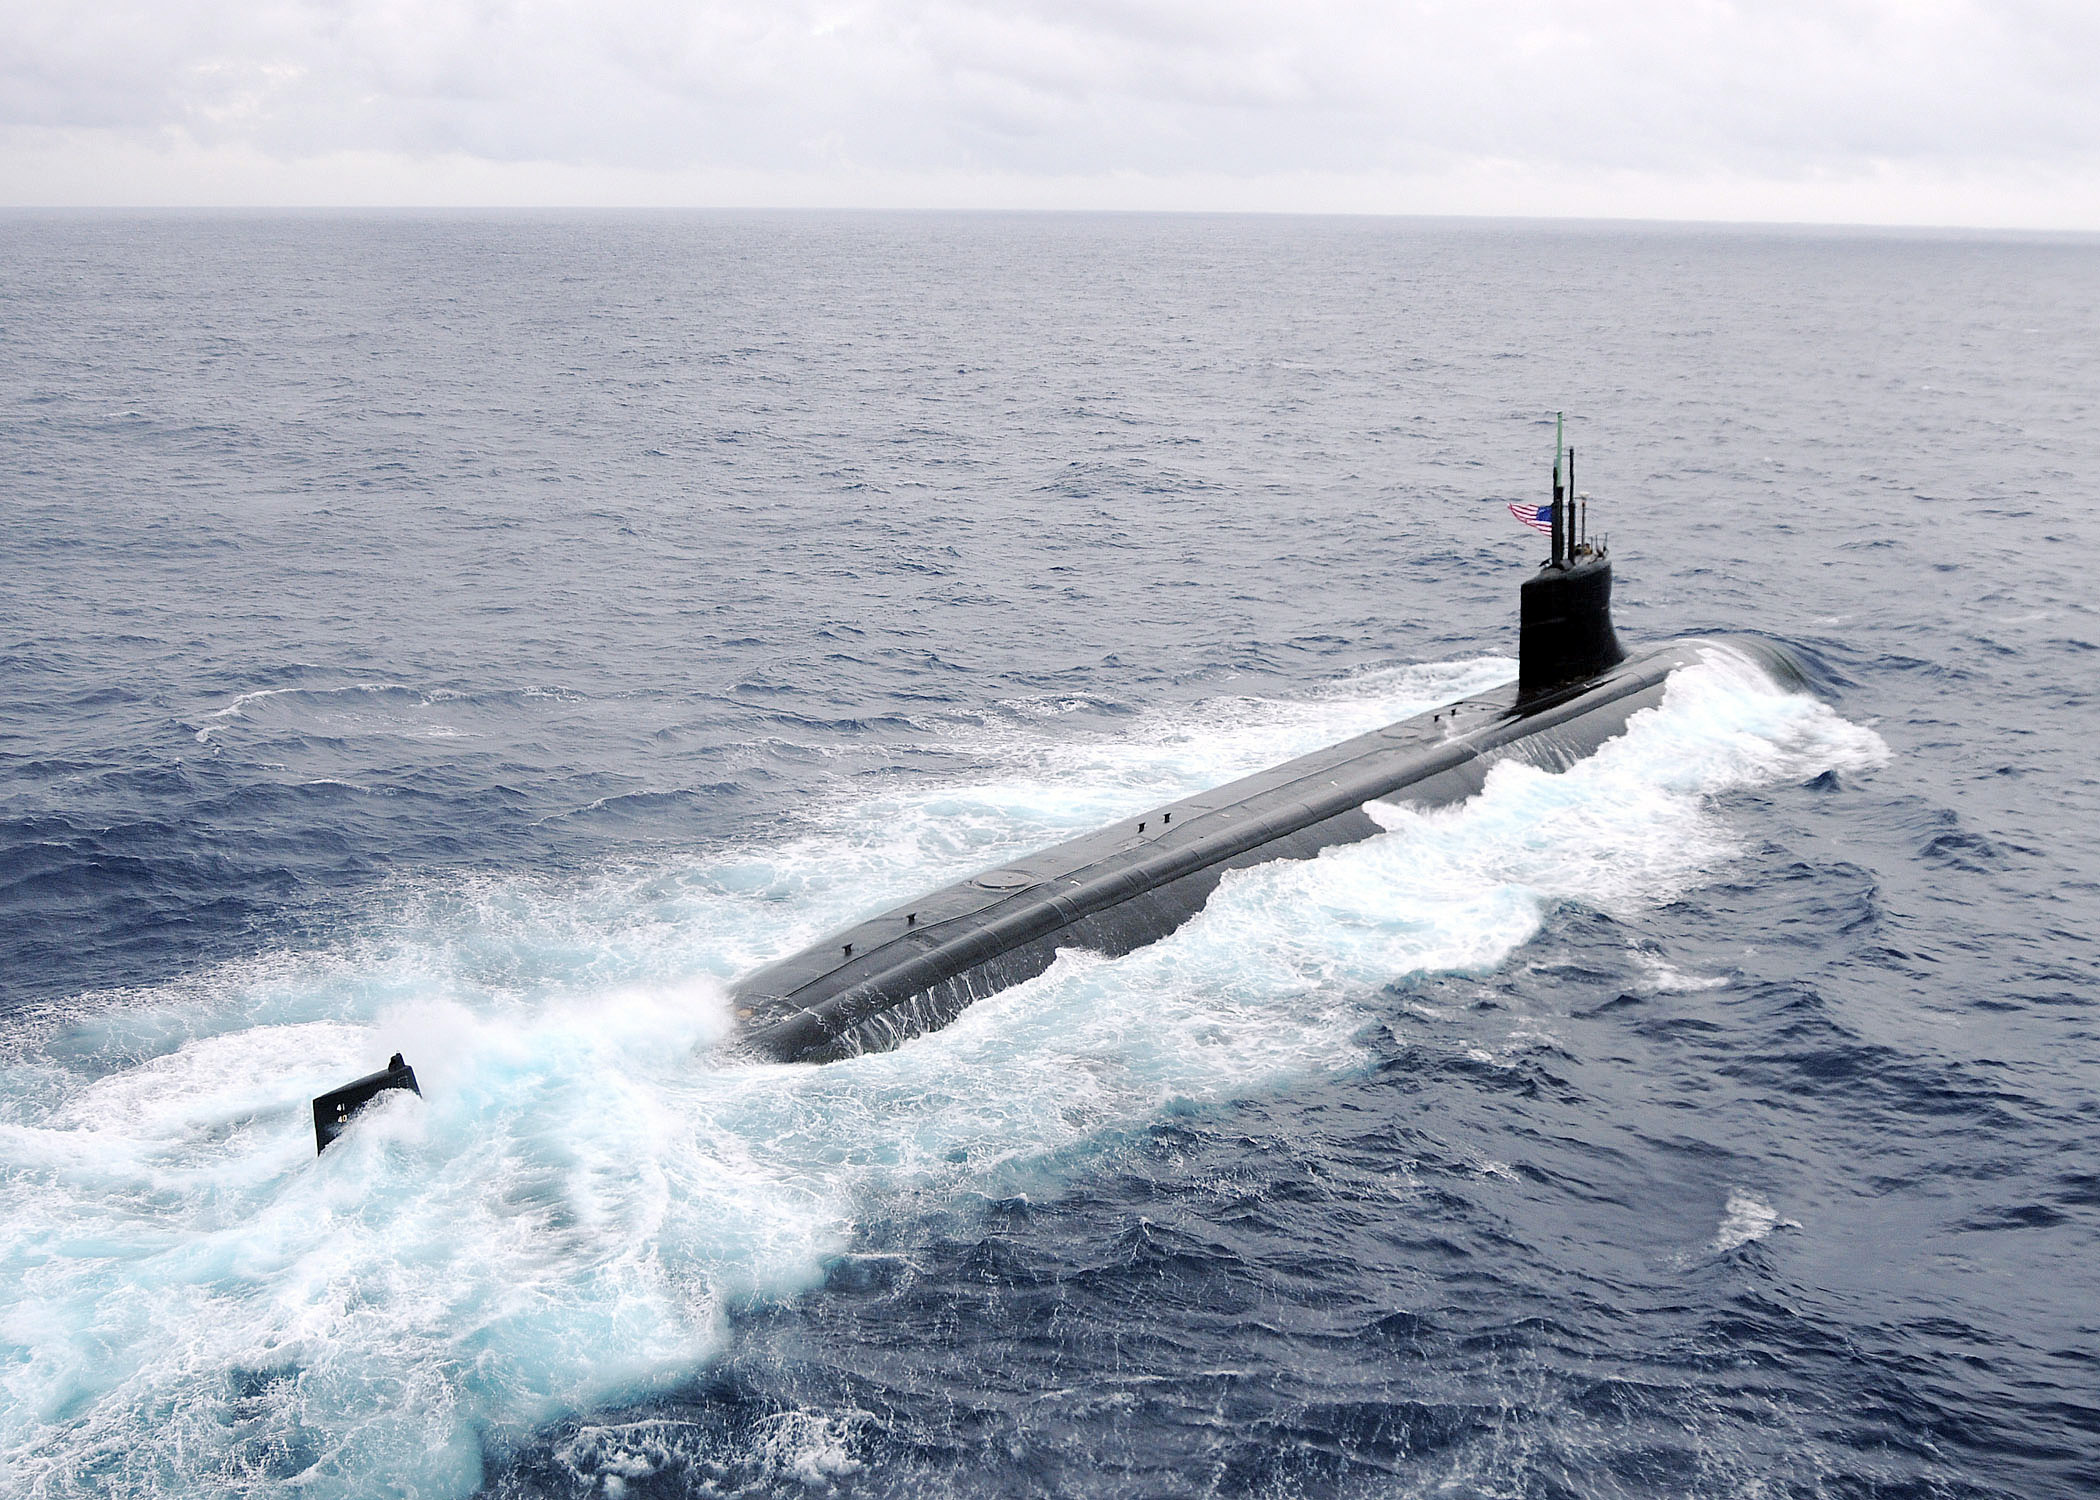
x=332, y=1110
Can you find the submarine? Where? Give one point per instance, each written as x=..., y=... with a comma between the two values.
x=915, y=967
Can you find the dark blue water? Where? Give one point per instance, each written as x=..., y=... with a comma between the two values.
x=486, y=636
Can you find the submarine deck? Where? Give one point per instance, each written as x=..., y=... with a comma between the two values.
x=916, y=966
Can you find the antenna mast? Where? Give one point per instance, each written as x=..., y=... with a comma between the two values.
x=1564, y=629
x=1560, y=508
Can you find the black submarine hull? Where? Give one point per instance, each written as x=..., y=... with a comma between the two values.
x=917, y=966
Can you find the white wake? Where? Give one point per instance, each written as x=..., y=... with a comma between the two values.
x=194, y=1302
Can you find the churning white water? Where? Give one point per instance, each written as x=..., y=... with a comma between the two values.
x=193, y=1301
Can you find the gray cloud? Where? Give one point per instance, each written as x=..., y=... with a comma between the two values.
x=1089, y=87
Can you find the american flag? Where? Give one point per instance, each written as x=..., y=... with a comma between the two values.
x=1537, y=517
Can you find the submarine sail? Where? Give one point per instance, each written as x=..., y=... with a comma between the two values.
x=916, y=967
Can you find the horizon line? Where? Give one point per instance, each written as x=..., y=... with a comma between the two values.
x=1058, y=211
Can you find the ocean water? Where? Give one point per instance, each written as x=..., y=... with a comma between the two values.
x=486, y=636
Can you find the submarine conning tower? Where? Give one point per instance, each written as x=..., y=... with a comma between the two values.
x=1564, y=631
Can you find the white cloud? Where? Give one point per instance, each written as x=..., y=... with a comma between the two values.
x=1943, y=109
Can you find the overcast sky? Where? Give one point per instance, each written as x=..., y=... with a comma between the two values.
x=1884, y=111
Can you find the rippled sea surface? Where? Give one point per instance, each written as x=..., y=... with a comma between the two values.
x=487, y=636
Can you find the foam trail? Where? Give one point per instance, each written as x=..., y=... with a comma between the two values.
x=197, y=1304
x=1745, y=1221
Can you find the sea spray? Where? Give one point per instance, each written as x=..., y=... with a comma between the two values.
x=588, y=1191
